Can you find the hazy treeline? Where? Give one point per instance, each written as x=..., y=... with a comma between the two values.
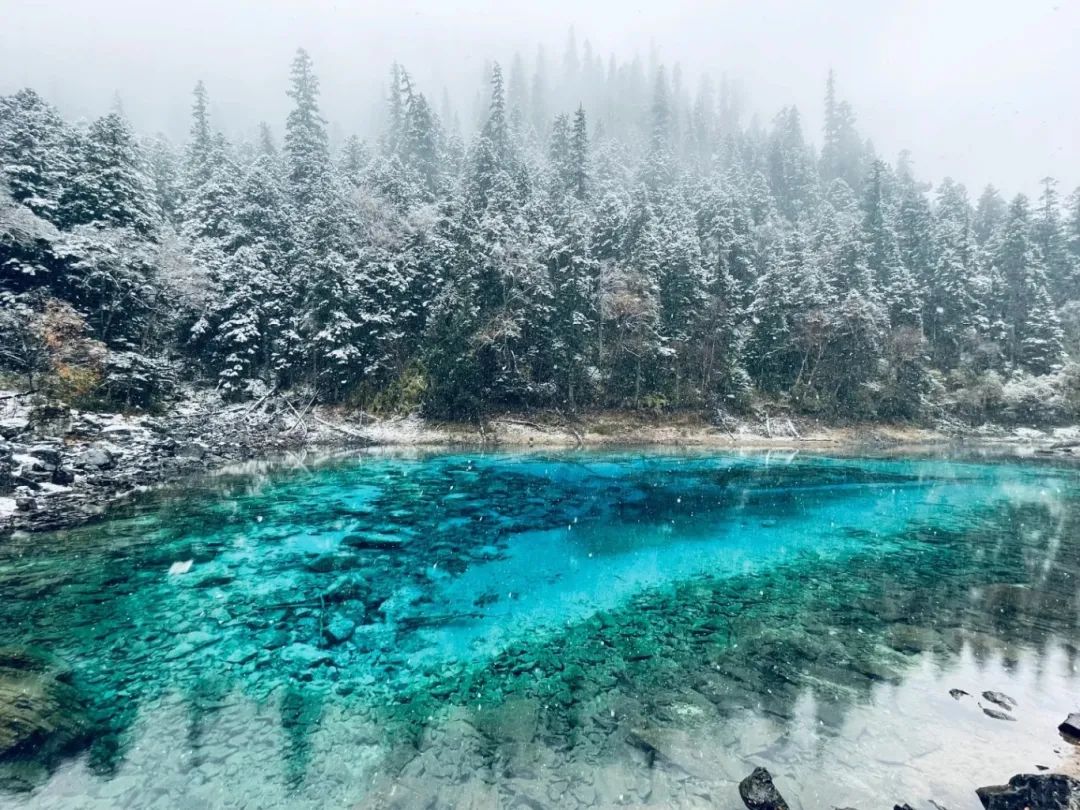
x=604, y=239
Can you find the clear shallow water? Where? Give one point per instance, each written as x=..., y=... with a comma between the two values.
x=577, y=630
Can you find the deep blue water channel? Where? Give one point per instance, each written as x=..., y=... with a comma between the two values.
x=566, y=630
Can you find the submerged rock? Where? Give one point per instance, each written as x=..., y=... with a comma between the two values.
x=997, y=714
x=1001, y=699
x=1051, y=791
x=320, y=563
x=241, y=655
x=212, y=576
x=189, y=643
x=41, y=712
x=515, y=720
x=339, y=629
x=369, y=637
x=678, y=751
x=346, y=587
x=759, y=793
x=330, y=561
x=275, y=639
x=375, y=540
x=306, y=656
x=956, y=694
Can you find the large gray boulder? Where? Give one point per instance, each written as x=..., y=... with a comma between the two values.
x=759, y=793
x=95, y=458
x=1030, y=791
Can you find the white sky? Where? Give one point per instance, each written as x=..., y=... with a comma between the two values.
x=983, y=90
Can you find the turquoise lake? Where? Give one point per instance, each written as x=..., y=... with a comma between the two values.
x=563, y=630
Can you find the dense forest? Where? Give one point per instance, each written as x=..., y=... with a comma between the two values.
x=593, y=236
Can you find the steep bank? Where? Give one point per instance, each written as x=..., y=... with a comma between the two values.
x=60, y=467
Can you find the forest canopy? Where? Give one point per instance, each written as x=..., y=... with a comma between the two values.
x=600, y=238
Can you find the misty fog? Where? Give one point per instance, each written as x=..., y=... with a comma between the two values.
x=976, y=90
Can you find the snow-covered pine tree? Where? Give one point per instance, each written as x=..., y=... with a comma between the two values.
x=307, y=153
x=1072, y=229
x=575, y=276
x=842, y=154
x=36, y=159
x=953, y=317
x=989, y=214
x=1049, y=231
x=163, y=167
x=110, y=185
x=1032, y=335
x=840, y=249
x=792, y=176
x=898, y=287
x=657, y=169
x=422, y=143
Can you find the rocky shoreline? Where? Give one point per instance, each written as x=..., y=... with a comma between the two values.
x=61, y=467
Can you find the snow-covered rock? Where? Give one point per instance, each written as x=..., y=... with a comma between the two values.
x=96, y=458
x=14, y=427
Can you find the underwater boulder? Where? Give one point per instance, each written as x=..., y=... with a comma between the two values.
x=42, y=714
x=213, y=575
x=329, y=561
x=320, y=563
x=305, y=656
x=345, y=588
x=376, y=541
x=339, y=629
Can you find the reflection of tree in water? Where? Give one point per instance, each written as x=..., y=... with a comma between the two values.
x=205, y=698
x=300, y=713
